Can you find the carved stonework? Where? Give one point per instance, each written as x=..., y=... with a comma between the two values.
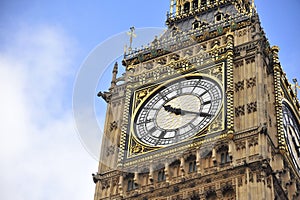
x=251, y=107
x=162, y=61
x=210, y=194
x=110, y=150
x=149, y=65
x=253, y=141
x=240, y=145
x=106, y=96
x=239, y=64
x=240, y=181
x=251, y=82
x=239, y=111
x=113, y=126
x=259, y=177
x=251, y=177
x=250, y=60
x=228, y=191
x=239, y=86
x=269, y=182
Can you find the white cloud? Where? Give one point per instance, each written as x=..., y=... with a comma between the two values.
x=41, y=155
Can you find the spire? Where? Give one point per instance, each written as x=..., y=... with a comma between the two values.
x=297, y=86
x=114, y=75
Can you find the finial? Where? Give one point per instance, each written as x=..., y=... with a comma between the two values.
x=114, y=76
x=132, y=35
x=296, y=86
x=125, y=49
x=253, y=5
x=172, y=5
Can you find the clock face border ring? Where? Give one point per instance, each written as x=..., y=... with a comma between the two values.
x=291, y=129
x=204, y=85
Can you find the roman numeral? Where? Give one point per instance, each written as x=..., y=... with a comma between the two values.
x=145, y=122
x=179, y=89
x=152, y=130
x=202, y=114
x=203, y=93
x=163, y=97
x=161, y=136
x=192, y=126
x=207, y=102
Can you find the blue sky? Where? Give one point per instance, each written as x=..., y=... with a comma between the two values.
x=43, y=45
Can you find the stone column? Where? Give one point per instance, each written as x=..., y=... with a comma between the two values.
x=121, y=182
x=213, y=156
x=198, y=160
x=167, y=170
x=278, y=97
x=230, y=84
x=182, y=166
x=136, y=178
x=151, y=173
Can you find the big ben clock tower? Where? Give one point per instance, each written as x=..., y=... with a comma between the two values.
x=204, y=112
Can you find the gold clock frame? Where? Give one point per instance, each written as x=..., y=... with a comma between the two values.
x=283, y=142
x=139, y=94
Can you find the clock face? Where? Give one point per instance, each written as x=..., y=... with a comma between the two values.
x=292, y=135
x=177, y=111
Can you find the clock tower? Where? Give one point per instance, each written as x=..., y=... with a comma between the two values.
x=204, y=111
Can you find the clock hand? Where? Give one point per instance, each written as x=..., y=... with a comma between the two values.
x=169, y=108
x=201, y=114
x=178, y=111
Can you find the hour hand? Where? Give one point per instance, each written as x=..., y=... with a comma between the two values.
x=169, y=108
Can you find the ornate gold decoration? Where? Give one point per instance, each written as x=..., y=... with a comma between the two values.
x=217, y=124
x=217, y=70
x=181, y=65
x=135, y=148
x=140, y=95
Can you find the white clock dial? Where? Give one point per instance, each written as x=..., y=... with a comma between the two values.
x=292, y=135
x=178, y=110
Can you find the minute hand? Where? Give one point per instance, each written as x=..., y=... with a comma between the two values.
x=201, y=114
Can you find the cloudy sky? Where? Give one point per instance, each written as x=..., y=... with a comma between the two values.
x=43, y=47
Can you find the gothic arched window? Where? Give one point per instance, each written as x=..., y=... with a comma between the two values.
x=224, y=154
x=161, y=175
x=203, y=3
x=186, y=7
x=225, y=157
x=211, y=195
x=192, y=166
x=130, y=184
x=195, y=4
